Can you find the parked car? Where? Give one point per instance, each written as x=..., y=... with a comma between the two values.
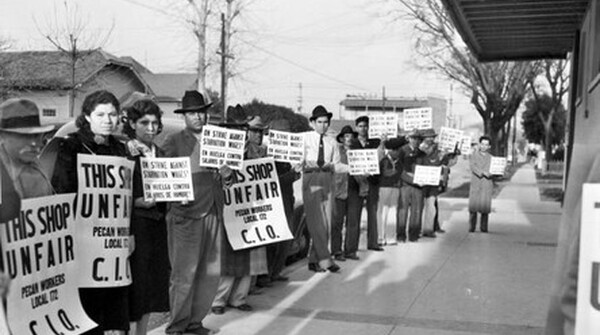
x=300, y=244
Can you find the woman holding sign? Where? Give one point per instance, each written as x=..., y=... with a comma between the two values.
x=99, y=117
x=149, y=291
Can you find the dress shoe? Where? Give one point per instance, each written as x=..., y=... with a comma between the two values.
x=377, y=248
x=315, y=267
x=339, y=258
x=244, y=307
x=263, y=283
x=218, y=310
x=429, y=234
x=279, y=278
x=440, y=230
x=334, y=268
x=200, y=331
x=353, y=257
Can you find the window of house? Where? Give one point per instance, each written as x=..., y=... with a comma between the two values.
x=49, y=112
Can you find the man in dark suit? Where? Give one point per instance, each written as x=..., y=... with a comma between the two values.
x=356, y=198
x=194, y=227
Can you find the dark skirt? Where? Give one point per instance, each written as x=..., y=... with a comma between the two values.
x=150, y=269
x=107, y=306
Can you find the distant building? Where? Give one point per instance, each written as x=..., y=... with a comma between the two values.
x=47, y=78
x=355, y=106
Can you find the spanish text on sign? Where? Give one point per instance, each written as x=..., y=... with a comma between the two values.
x=427, y=175
x=363, y=162
x=417, y=118
x=383, y=125
x=498, y=165
x=286, y=147
x=167, y=179
x=221, y=146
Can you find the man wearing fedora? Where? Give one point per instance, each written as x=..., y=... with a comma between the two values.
x=21, y=140
x=341, y=210
x=321, y=159
x=194, y=227
x=411, y=194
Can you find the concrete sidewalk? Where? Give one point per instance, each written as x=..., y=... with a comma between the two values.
x=457, y=283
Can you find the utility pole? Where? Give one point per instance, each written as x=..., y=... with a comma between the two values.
x=299, y=98
x=450, y=120
x=225, y=34
x=383, y=99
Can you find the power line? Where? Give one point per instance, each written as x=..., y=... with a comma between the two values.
x=303, y=67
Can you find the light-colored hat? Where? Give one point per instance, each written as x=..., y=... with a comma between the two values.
x=21, y=116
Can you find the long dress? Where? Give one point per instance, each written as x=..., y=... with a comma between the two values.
x=150, y=268
x=480, y=192
x=108, y=307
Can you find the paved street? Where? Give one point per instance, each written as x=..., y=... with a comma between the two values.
x=457, y=283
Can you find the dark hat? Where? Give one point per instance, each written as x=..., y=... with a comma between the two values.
x=429, y=132
x=415, y=133
x=320, y=111
x=21, y=116
x=256, y=123
x=360, y=119
x=237, y=115
x=346, y=130
x=281, y=125
x=395, y=143
x=193, y=101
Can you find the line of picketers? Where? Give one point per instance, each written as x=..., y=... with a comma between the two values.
x=182, y=262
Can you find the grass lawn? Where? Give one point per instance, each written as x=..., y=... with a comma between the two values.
x=550, y=185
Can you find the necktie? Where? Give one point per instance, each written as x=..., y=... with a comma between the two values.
x=321, y=157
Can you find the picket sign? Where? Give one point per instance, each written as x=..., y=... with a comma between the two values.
x=588, y=278
x=254, y=213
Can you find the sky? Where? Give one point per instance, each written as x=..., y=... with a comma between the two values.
x=330, y=48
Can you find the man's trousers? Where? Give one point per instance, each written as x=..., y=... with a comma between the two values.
x=316, y=194
x=411, y=204
x=194, y=253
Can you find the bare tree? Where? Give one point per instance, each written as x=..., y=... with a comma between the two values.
x=496, y=89
x=556, y=75
x=198, y=21
x=69, y=32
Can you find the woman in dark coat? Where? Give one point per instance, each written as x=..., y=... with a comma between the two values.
x=108, y=307
x=149, y=291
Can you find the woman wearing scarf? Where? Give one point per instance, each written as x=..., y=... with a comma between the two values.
x=149, y=290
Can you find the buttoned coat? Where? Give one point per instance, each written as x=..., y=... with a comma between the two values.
x=480, y=192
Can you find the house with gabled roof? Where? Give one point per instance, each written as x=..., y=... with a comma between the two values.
x=48, y=78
